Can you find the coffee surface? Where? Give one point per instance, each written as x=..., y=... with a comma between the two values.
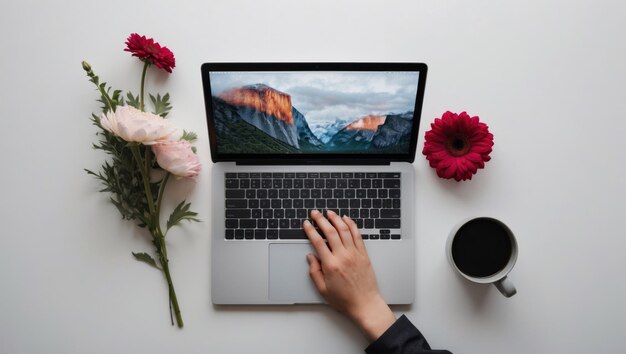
x=481, y=248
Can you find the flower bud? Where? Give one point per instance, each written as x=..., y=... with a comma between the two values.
x=86, y=66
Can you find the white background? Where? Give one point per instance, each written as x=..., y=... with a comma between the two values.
x=546, y=76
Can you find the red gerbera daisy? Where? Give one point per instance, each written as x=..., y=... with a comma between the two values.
x=147, y=49
x=457, y=145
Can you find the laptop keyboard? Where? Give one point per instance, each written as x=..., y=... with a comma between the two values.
x=272, y=206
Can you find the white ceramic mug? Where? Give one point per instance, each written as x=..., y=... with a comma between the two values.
x=469, y=247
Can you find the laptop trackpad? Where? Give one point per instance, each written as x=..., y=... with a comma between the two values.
x=289, y=274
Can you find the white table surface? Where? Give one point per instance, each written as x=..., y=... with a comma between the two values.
x=547, y=76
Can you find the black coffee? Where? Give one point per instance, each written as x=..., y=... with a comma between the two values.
x=481, y=248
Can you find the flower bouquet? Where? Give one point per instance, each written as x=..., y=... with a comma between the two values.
x=145, y=150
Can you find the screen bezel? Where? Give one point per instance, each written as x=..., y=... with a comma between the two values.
x=313, y=158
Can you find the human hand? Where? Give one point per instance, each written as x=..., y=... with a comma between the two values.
x=343, y=274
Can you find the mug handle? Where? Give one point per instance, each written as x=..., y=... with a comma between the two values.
x=506, y=287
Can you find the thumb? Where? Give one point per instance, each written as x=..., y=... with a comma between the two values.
x=315, y=271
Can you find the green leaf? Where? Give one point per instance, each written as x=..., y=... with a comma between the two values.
x=95, y=120
x=108, y=103
x=189, y=136
x=132, y=100
x=119, y=206
x=180, y=213
x=161, y=104
x=146, y=258
x=116, y=98
x=122, y=179
x=90, y=172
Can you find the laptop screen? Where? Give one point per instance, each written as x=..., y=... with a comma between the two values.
x=323, y=110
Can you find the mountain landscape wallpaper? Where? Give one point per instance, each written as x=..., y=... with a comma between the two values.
x=313, y=112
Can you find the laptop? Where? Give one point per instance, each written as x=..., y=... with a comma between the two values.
x=288, y=138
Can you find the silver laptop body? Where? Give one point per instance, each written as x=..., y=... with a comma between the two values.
x=290, y=137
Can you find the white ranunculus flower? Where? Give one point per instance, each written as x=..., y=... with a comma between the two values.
x=133, y=125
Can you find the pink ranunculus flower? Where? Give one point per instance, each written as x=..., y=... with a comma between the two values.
x=133, y=125
x=178, y=158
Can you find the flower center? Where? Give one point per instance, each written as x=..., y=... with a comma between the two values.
x=458, y=146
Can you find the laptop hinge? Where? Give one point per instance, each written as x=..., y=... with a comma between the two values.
x=353, y=162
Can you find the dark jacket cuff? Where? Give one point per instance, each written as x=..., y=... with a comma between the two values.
x=401, y=337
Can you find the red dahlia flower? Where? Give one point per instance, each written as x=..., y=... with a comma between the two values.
x=457, y=145
x=147, y=49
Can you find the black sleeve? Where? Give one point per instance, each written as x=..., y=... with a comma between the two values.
x=401, y=338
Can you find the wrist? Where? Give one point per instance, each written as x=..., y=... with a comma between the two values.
x=374, y=318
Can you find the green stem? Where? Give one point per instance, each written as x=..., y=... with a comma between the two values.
x=158, y=205
x=147, y=167
x=155, y=229
x=105, y=95
x=170, y=284
x=164, y=260
x=143, y=80
x=96, y=82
